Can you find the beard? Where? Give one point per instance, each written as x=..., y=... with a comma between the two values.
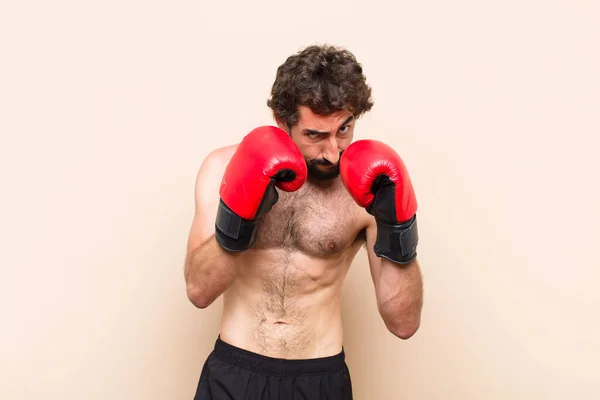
x=332, y=171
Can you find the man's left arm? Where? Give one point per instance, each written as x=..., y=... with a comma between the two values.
x=399, y=290
x=377, y=179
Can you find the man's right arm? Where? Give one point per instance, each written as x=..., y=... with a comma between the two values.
x=209, y=269
x=235, y=187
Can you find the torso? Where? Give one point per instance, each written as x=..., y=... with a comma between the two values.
x=285, y=300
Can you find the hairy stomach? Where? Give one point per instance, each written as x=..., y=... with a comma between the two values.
x=285, y=305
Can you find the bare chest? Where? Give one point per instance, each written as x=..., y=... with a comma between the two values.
x=314, y=221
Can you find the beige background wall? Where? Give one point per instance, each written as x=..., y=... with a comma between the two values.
x=107, y=109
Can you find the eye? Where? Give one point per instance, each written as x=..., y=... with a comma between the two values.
x=344, y=129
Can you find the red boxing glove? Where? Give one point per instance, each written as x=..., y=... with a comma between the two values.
x=266, y=158
x=377, y=179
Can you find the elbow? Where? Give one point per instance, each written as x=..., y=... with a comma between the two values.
x=198, y=297
x=404, y=331
x=403, y=325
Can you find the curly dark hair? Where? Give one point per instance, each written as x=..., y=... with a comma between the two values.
x=323, y=78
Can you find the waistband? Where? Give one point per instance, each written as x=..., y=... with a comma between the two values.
x=278, y=366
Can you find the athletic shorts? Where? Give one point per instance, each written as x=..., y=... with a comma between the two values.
x=231, y=373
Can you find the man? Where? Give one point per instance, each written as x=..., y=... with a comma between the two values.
x=279, y=219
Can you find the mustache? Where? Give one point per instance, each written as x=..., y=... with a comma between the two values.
x=324, y=162
x=321, y=161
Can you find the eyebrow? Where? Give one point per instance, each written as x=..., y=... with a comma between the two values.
x=315, y=132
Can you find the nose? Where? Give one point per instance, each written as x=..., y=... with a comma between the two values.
x=331, y=152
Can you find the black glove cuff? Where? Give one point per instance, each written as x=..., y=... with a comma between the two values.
x=397, y=242
x=233, y=233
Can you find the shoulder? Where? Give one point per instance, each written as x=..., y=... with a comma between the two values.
x=220, y=156
x=215, y=162
x=212, y=168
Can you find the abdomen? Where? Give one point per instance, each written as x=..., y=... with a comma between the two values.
x=285, y=305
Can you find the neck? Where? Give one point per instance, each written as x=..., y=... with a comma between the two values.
x=324, y=184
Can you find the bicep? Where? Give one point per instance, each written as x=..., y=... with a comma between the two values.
x=206, y=200
x=374, y=261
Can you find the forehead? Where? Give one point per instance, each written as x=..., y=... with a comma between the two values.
x=309, y=119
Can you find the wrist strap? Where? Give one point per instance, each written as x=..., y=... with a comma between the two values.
x=233, y=233
x=397, y=242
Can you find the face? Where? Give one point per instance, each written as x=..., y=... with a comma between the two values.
x=322, y=139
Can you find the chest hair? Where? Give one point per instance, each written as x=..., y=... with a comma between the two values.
x=318, y=222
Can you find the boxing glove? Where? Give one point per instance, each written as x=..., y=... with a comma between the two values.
x=266, y=159
x=377, y=179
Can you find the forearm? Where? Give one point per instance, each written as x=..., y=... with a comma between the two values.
x=209, y=270
x=400, y=297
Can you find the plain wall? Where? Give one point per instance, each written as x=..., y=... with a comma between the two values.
x=108, y=108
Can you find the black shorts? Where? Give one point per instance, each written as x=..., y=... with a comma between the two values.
x=231, y=373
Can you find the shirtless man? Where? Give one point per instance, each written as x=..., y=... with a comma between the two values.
x=279, y=219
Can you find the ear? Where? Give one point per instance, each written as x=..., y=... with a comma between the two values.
x=280, y=123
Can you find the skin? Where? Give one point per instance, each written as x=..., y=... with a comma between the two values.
x=281, y=298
